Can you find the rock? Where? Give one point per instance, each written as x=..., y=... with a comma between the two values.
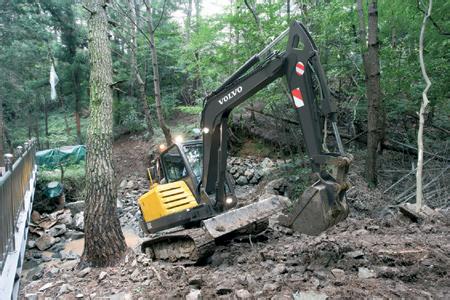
x=194, y=294
x=242, y=180
x=309, y=295
x=279, y=269
x=355, y=254
x=67, y=255
x=387, y=272
x=54, y=271
x=75, y=207
x=74, y=235
x=130, y=184
x=84, y=272
x=196, y=281
x=45, y=241
x=57, y=230
x=119, y=204
x=31, y=244
x=123, y=184
x=249, y=173
x=254, y=180
x=365, y=273
x=135, y=275
x=243, y=294
x=270, y=287
x=65, y=218
x=78, y=221
x=46, y=286
x=338, y=273
x=224, y=290
x=37, y=273
x=102, y=275
x=65, y=288
x=68, y=265
x=251, y=282
x=121, y=296
x=80, y=295
x=267, y=163
x=31, y=296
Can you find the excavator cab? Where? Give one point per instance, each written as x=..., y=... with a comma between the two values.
x=174, y=188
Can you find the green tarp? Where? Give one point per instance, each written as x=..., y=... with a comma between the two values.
x=53, y=158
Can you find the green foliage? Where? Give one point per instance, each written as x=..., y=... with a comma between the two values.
x=192, y=110
x=218, y=45
x=126, y=116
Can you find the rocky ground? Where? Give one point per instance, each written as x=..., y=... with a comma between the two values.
x=376, y=253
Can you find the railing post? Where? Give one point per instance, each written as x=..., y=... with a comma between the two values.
x=19, y=151
x=8, y=157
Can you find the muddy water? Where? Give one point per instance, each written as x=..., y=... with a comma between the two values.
x=76, y=246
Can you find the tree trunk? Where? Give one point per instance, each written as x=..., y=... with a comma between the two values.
x=423, y=107
x=288, y=11
x=375, y=120
x=135, y=76
x=198, y=8
x=47, y=142
x=188, y=22
x=104, y=240
x=77, y=92
x=156, y=84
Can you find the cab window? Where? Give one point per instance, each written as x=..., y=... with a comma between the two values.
x=194, y=155
x=173, y=165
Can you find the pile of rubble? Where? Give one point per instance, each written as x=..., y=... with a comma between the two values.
x=49, y=234
x=249, y=170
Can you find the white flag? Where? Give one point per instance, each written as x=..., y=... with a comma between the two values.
x=53, y=82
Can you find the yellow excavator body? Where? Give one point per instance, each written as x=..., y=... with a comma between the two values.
x=166, y=199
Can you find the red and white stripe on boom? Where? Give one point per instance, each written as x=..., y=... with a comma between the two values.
x=298, y=98
x=299, y=68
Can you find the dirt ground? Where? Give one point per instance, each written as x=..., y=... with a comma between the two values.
x=376, y=253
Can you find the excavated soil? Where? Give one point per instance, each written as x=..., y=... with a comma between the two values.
x=376, y=253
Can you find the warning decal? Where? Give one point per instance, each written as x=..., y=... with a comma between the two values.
x=299, y=68
x=298, y=98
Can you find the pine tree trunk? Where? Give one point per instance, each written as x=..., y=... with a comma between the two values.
x=162, y=122
x=104, y=240
x=371, y=60
x=135, y=76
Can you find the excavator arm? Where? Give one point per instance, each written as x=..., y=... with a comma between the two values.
x=299, y=63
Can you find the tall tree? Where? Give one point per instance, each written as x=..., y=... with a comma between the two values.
x=156, y=81
x=104, y=240
x=188, y=21
x=423, y=107
x=135, y=75
x=371, y=60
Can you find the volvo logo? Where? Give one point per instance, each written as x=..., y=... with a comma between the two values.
x=230, y=95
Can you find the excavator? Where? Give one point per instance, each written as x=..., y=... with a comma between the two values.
x=191, y=202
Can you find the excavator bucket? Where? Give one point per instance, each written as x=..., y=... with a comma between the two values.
x=323, y=204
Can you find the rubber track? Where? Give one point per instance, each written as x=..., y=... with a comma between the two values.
x=186, y=247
